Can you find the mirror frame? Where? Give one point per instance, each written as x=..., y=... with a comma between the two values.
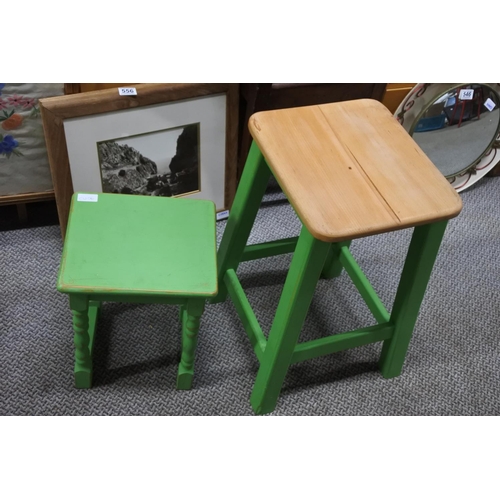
x=416, y=104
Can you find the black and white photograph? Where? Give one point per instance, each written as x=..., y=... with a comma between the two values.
x=160, y=163
x=173, y=140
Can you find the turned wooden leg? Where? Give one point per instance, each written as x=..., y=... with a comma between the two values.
x=182, y=310
x=190, y=316
x=83, y=350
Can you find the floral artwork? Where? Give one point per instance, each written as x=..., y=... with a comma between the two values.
x=24, y=165
x=11, y=119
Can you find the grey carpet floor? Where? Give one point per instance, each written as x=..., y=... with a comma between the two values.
x=452, y=367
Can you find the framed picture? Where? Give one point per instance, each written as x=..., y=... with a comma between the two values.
x=24, y=165
x=167, y=140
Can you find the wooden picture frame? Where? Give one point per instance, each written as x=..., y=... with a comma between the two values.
x=58, y=113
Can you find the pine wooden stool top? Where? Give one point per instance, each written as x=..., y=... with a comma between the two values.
x=349, y=170
x=139, y=249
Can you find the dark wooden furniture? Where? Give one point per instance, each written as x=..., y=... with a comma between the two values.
x=266, y=96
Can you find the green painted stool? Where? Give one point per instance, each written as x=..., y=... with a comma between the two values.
x=139, y=249
x=349, y=171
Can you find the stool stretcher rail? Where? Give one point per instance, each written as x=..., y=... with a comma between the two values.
x=364, y=287
x=269, y=249
x=320, y=347
x=245, y=312
x=341, y=342
x=305, y=350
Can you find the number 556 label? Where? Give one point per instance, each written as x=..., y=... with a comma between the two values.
x=127, y=91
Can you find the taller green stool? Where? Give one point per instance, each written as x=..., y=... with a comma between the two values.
x=349, y=171
x=140, y=249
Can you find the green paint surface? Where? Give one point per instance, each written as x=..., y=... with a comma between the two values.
x=143, y=245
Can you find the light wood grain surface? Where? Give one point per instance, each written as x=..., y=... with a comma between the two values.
x=351, y=170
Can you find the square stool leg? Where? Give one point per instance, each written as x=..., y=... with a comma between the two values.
x=333, y=266
x=246, y=204
x=190, y=319
x=305, y=269
x=417, y=269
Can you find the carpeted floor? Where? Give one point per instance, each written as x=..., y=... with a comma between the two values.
x=452, y=367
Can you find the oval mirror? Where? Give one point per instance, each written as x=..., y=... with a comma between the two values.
x=456, y=125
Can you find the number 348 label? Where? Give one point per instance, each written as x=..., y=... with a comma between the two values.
x=466, y=94
x=127, y=91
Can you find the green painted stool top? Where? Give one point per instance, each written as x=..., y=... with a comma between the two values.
x=141, y=245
